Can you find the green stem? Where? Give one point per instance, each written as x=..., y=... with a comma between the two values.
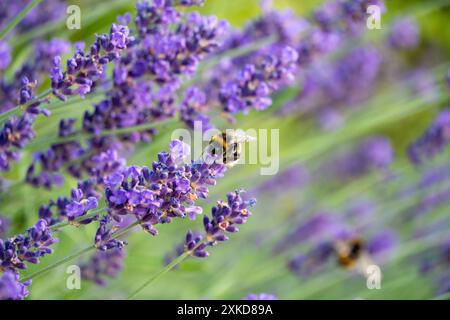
x=79, y=219
x=162, y=272
x=58, y=263
x=113, y=132
x=16, y=109
x=75, y=255
x=18, y=18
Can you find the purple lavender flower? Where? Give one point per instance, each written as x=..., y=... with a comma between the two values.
x=104, y=239
x=443, y=285
x=14, y=135
x=27, y=95
x=84, y=69
x=79, y=205
x=429, y=202
x=329, y=119
x=225, y=217
x=26, y=248
x=193, y=244
x=184, y=3
x=168, y=56
x=166, y=191
x=291, y=178
x=320, y=226
x=20, y=89
x=5, y=55
x=433, y=141
x=313, y=261
x=11, y=288
x=381, y=245
x=193, y=109
x=4, y=226
x=47, y=12
x=150, y=68
x=103, y=264
x=422, y=85
x=404, y=34
x=104, y=165
x=372, y=154
x=52, y=160
x=261, y=296
x=253, y=86
x=84, y=198
x=331, y=87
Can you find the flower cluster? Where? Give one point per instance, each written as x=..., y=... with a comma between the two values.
x=256, y=82
x=225, y=217
x=329, y=88
x=84, y=69
x=372, y=154
x=193, y=109
x=103, y=264
x=166, y=191
x=48, y=11
x=4, y=225
x=433, y=141
x=404, y=34
x=104, y=237
x=147, y=69
x=11, y=288
x=5, y=55
x=79, y=205
x=83, y=198
x=14, y=135
x=18, y=131
x=26, y=248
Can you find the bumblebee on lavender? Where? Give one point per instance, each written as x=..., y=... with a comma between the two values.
x=352, y=253
x=227, y=146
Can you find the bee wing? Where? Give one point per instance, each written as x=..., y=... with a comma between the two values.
x=243, y=137
x=364, y=262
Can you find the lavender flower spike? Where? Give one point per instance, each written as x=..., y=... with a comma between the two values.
x=166, y=191
x=84, y=69
x=4, y=225
x=11, y=288
x=433, y=140
x=256, y=82
x=104, y=236
x=226, y=216
x=15, y=134
x=80, y=205
x=26, y=248
x=5, y=55
x=103, y=264
x=404, y=34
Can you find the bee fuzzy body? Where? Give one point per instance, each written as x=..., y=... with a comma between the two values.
x=227, y=147
x=352, y=254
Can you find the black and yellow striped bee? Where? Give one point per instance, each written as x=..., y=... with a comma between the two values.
x=227, y=147
x=352, y=253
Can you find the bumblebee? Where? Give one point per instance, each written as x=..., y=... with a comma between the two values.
x=227, y=147
x=352, y=253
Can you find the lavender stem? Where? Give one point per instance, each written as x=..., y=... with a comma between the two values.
x=162, y=272
x=75, y=255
